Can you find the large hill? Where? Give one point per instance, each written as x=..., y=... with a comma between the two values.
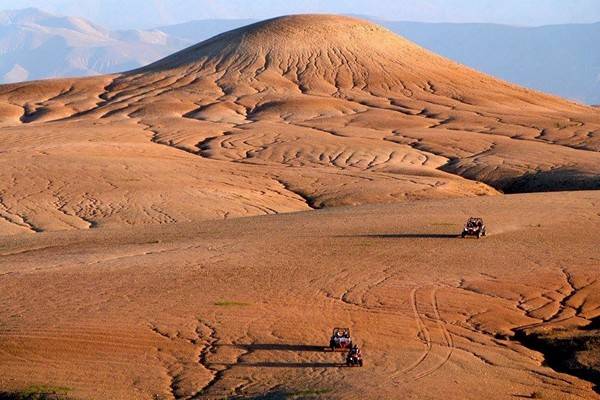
x=555, y=59
x=289, y=114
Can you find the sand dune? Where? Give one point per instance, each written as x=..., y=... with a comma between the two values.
x=125, y=273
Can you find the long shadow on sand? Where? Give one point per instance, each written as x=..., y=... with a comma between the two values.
x=36, y=396
x=298, y=348
x=276, y=364
x=406, y=236
x=285, y=395
x=278, y=347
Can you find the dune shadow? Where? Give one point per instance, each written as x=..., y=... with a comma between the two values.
x=282, y=394
x=407, y=236
x=269, y=396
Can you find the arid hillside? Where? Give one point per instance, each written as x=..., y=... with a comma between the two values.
x=285, y=115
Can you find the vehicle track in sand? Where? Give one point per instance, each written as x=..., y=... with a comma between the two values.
x=431, y=330
x=449, y=342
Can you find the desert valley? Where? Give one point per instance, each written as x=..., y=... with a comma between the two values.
x=197, y=227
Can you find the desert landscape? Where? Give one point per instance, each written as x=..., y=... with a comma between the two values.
x=197, y=227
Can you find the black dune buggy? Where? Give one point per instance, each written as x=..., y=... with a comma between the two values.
x=474, y=227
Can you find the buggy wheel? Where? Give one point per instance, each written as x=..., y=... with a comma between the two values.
x=360, y=363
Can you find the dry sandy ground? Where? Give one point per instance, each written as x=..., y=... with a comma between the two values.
x=125, y=272
x=244, y=307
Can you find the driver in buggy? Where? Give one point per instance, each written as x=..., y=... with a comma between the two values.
x=354, y=357
x=474, y=223
x=343, y=334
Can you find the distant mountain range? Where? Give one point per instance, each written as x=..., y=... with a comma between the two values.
x=35, y=45
x=557, y=59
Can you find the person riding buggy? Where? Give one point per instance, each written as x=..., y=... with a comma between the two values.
x=354, y=357
x=474, y=227
x=340, y=339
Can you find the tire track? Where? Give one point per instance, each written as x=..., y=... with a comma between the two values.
x=445, y=333
x=433, y=333
x=423, y=333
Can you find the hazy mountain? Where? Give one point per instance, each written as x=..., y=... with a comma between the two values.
x=35, y=44
x=559, y=59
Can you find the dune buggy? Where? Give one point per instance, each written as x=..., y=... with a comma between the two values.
x=474, y=227
x=354, y=359
x=340, y=339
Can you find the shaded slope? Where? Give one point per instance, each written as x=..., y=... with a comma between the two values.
x=573, y=351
